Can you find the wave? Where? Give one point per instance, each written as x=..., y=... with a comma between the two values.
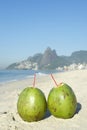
x=41, y=74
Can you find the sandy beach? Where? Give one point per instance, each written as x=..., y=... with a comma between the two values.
x=10, y=120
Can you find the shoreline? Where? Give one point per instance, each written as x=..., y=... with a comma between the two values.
x=10, y=120
x=7, y=76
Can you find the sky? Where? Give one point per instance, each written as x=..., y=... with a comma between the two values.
x=28, y=27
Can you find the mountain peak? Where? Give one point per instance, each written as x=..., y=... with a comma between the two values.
x=49, y=56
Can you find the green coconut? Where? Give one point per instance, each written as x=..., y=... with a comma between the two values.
x=31, y=104
x=62, y=102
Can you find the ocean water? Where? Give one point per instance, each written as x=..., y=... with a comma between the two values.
x=13, y=75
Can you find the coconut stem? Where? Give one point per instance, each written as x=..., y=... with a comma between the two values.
x=54, y=80
x=34, y=80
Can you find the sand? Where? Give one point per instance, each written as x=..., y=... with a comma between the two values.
x=10, y=119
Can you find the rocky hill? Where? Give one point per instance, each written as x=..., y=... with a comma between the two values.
x=50, y=60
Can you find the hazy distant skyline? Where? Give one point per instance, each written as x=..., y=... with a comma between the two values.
x=30, y=26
